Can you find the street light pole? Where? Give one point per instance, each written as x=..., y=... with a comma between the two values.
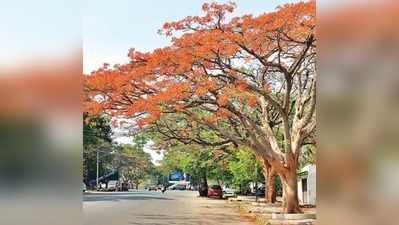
x=256, y=182
x=98, y=163
x=97, y=169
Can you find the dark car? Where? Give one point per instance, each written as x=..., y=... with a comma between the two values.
x=215, y=191
x=152, y=188
x=261, y=191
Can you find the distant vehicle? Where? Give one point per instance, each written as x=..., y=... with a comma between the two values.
x=102, y=187
x=228, y=193
x=152, y=188
x=112, y=185
x=84, y=188
x=190, y=187
x=180, y=187
x=261, y=191
x=215, y=191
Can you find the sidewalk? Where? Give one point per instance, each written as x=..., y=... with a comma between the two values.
x=217, y=211
x=271, y=214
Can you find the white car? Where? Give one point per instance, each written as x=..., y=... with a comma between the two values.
x=84, y=187
x=112, y=185
x=102, y=187
x=228, y=192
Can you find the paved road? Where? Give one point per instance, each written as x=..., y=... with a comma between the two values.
x=154, y=208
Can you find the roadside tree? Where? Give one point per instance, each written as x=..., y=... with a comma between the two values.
x=248, y=79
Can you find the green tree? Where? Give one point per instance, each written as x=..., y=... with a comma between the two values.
x=245, y=169
x=134, y=163
x=308, y=156
x=158, y=175
x=96, y=135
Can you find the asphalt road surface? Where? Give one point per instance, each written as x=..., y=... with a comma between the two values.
x=155, y=208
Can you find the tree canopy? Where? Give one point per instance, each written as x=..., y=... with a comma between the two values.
x=246, y=79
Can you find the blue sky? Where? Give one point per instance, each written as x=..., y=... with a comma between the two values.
x=32, y=30
x=110, y=28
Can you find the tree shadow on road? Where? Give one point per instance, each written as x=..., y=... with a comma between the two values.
x=94, y=197
x=218, y=218
x=153, y=219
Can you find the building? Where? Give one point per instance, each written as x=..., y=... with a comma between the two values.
x=177, y=176
x=307, y=185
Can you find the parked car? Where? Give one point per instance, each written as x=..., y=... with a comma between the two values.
x=102, y=187
x=228, y=193
x=112, y=185
x=190, y=187
x=180, y=187
x=215, y=191
x=152, y=188
x=261, y=191
x=84, y=188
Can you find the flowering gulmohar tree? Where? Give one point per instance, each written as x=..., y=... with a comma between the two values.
x=250, y=80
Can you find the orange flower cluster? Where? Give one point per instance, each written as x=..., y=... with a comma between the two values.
x=203, y=62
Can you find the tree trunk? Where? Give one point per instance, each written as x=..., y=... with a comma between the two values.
x=270, y=189
x=203, y=186
x=270, y=193
x=290, y=192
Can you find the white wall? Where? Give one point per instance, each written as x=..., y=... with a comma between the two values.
x=311, y=185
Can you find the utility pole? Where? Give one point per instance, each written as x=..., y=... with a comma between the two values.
x=97, y=169
x=256, y=182
x=98, y=163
